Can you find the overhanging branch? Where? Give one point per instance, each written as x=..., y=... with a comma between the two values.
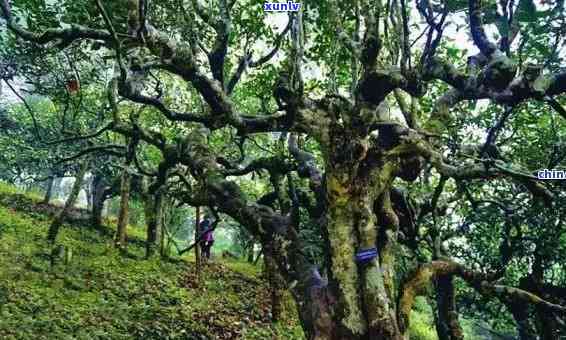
x=425, y=274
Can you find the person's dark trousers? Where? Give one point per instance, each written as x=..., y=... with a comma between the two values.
x=203, y=249
x=206, y=249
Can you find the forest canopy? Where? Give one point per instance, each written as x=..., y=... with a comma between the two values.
x=377, y=151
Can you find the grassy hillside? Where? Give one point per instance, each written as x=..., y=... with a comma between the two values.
x=105, y=294
x=102, y=294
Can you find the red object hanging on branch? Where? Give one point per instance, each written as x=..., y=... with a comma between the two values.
x=73, y=86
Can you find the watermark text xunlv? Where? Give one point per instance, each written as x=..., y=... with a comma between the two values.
x=290, y=6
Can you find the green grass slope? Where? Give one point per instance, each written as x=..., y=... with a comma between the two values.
x=102, y=294
x=105, y=294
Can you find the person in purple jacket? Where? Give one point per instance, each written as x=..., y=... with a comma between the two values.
x=207, y=239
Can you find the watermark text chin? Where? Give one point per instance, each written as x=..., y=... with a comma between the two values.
x=551, y=174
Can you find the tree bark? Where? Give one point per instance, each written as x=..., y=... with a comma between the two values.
x=365, y=305
x=545, y=322
x=123, y=217
x=521, y=315
x=447, y=324
x=165, y=211
x=89, y=194
x=548, y=328
x=275, y=285
x=49, y=190
x=153, y=206
x=56, y=191
x=99, y=196
x=58, y=221
x=198, y=261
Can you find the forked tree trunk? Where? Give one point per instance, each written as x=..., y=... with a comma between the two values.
x=360, y=299
x=359, y=302
x=58, y=221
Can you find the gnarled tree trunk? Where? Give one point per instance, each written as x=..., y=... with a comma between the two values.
x=365, y=295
